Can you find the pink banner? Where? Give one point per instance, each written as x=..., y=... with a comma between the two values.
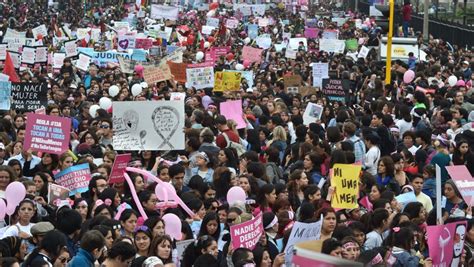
x=445, y=243
x=48, y=134
x=463, y=180
x=252, y=54
x=201, y=65
x=311, y=33
x=247, y=234
x=120, y=164
x=232, y=110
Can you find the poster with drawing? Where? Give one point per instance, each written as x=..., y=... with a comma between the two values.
x=156, y=125
x=312, y=113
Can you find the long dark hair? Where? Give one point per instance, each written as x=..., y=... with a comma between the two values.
x=210, y=216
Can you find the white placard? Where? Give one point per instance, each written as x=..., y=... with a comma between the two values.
x=332, y=45
x=364, y=51
x=3, y=51
x=83, y=33
x=58, y=60
x=294, y=43
x=213, y=22
x=302, y=232
x=200, y=78
x=125, y=42
x=264, y=41
x=70, y=48
x=207, y=30
x=28, y=55
x=41, y=29
x=320, y=72
x=121, y=26
x=154, y=125
x=164, y=12
x=83, y=62
x=41, y=54
x=312, y=113
x=291, y=54
x=232, y=23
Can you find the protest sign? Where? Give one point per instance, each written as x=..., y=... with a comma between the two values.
x=154, y=74
x=252, y=54
x=463, y=180
x=58, y=60
x=40, y=30
x=263, y=22
x=122, y=26
x=302, y=232
x=41, y=55
x=232, y=110
x=333, y=89
x=227, y=81
x=200, y=78
x=292, y=81
x=291, y=54
x=83, y=62
x=120, y=164
x=330, y=34
x=70, y=48
x=320, y=72
x=155, y=125
x=180, y=96
x=346, y=182
x=56, y=193
x=207, y=30
x=48, y=134
x=75, y=178
x=5, y=95
x=144, y=43
x=306, y=90
x=252, y=30
x=246, y=76
x=352, y=44
x=406, y=198
x=181, y=246
x=446, y=242
x=28, y=55
x=213, y=22
x=178, y=70
x=83, y=33
x=312, y=113
x=29, y=96
x=3, y=52
x=364, y=51
x=232, y=23
x=247, y=234
x=164, y=12
x=308, y=254
x=125, y=42
x=311, y=33
x=294, y=43
x=332, y=45
x=264, y=41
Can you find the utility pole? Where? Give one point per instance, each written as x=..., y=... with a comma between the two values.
x=388, y=64
x=426, y=21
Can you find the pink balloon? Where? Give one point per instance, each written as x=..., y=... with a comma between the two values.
x=135, y=196
x=14, y=194
x=246, y=63
x=235, y=194
x=408, y=76
x=3, y=209
x=172, y=226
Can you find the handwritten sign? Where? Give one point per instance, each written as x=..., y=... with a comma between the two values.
x=40, y=30
x=29, y=96
x=120, y=164
x=48, y=134
x=75, y=178
x=200, y=78
x=334, y=90
x=41, y=55
x=311, y=33
x=144, y=43
x=463, y=180
x=312, y=113
x=247, y=234
x=83, y=62
x=320, y=71
x=232, y=23
x=346, y=181
x=58, y=60
x=178, y=70
x=70, y=48
x=252, y=54
x=28, y=55
x=332, y=45
x=232, y=110
x=302, y=232
x=153, y=74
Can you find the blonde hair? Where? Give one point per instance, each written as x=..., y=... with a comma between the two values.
x=279, y=133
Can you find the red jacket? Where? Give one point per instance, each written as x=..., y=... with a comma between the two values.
x=407, y=10
x=220, y=140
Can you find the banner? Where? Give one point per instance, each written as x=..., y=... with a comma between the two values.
x=5, y=95
x=302, y=232
x=120, y=164
x=345, y=179
x=247, y=234
x=463, y=180
x=156, y=125
x=320, y=72
x=200, y=78
x=446, y=242
x=164, y=12
x=154, y=74
x=312, y=113
x=56, y=193
x=49, y=134
x=178, y=70
x=29, y=96
x=75, y=178
x=252, y=54
x=232, y=110
x=333, y=89
x=103, y=58
x=332, y=45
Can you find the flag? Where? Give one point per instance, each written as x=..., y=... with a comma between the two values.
x=9, y=69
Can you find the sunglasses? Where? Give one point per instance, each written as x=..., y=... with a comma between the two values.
x=104, y=126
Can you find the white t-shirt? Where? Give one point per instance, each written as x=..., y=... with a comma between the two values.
x=371, y=160
x=13, y=230
x=404, y=126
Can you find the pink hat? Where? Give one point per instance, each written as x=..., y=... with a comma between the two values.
x=461, y=83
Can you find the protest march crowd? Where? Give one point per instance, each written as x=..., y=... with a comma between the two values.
x=228, y=134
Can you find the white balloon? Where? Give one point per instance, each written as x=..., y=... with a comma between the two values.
x=211, y=13
x=144, y=85
x=275, y=30
x=93, y=110
x=247, y=40
x=114, y=90
x=452, y=80
x=105, y=103
x=239, y=67
x=136, y=89
x=199, y=55
x=207, y=44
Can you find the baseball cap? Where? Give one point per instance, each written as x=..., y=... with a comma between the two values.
x=41, y=228
x=465, y=62
x=2, y=146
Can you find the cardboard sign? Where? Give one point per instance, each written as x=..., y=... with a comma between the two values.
x=29, y=96
x=306, y=90
x=247, y=234
x=446, y=242
x=164, y=12
x=302, y=232
x=152, y=125
x=292, y=81
x=232, y=110
x=346, y=181
x=312, y=113
x=49, y=134
x=120, y=164
x=70, y=48
x=56, y=193
x=152, y=74
x=75, y=178
x=178, y=70
x=334, y=90
x=320, y=72
x=463, y=180
x=200, y=78
x=252, y=54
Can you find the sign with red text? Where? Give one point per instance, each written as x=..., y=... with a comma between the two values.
x=75, y=178
x=120, y=164
x=48, y=134
x=247, y=234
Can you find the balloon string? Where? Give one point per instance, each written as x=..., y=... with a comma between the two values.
x=134, y=196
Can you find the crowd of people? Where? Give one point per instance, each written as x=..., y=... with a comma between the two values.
x=395, y=131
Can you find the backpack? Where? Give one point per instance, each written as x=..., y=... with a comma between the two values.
x=239, y=148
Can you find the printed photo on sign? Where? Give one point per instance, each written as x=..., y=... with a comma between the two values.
x=312, y=113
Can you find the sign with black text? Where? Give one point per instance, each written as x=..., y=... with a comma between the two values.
x=29, y=96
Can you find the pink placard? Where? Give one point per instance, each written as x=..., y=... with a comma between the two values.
x=120, y=164
x=201, y=65
x=445, y=242
x=48, y=134
x=232, y=110
x=463, y=180
x=143, y=43
x=311, y=33
x=247, y=234
x=252, y=54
